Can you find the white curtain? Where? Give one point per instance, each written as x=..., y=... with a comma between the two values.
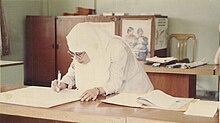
x=4, y=42
x=1, y=30
x=0, y=39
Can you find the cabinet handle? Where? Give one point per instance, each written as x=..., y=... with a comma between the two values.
x=114, y=18
x=55, y=46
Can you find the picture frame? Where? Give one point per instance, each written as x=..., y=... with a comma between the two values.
x=137, y=33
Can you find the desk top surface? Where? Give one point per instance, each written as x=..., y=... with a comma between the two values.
x=209, y=69
x=10, y=63
x=95, y=111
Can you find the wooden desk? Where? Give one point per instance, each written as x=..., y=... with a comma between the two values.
x=176, y=81
x=163, y=116
x=217, y=71
x=6, y=87
x=92, y=112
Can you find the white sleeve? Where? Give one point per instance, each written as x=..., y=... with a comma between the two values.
x=69, y=77
x=118, y=56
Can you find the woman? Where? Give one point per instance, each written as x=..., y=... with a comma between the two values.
x=102, y=64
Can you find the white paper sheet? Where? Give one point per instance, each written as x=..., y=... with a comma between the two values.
x=160, y=60
x=39, y=96
x=125, y=99
x=202, y=108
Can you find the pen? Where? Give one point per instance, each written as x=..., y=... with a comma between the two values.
x=58, y=79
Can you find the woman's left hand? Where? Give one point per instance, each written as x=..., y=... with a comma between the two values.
x=90, y=94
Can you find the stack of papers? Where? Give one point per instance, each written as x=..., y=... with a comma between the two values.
x=156, y=59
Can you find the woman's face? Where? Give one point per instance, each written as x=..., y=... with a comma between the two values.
x=81, y=57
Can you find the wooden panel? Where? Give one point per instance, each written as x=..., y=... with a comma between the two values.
x=17, y=119
x=174, y=84
x=40, y=54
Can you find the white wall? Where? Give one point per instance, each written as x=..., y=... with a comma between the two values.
x=56, y=7
x=13, y=74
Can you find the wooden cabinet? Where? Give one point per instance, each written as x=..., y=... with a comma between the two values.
x=40, y=52
x=46, y=46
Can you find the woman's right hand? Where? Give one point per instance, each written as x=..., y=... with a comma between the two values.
x=55, y=86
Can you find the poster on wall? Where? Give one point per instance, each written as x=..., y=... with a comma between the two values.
x=161, y=33
x=137, y=33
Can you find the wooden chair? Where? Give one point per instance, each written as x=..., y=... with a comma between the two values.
x=217, y=61
x=182, y=46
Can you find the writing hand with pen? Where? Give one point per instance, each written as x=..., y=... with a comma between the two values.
x=57, y=85
x=90, y=94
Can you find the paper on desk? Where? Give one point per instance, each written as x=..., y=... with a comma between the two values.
x=125, y=99
x=195, y=64
x=202, y=108
x=158, y=98
x=39, y=96
x=161, y=60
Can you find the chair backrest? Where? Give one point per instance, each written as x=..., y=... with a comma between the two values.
x=182, y=46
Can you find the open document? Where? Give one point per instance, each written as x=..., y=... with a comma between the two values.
x=39, y=96
x=153, y=99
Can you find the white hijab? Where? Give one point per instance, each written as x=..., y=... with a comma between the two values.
x=93, y=39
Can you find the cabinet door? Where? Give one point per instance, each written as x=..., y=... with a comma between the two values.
x=40, y=51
